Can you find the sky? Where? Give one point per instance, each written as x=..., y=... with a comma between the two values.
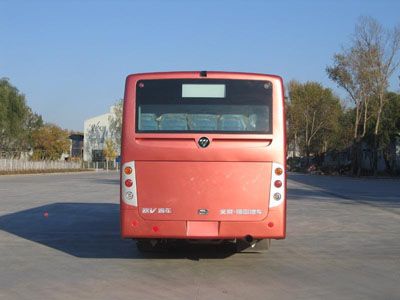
x=71, y=58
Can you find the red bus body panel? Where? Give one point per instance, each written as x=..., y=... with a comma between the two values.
x=186, y=187
x=176, y=175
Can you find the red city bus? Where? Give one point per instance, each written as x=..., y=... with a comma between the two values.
x=203, y=158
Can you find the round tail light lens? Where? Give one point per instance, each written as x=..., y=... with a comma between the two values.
x=278, y=171
x=128, y=183
x=277, y=196
x=128, y=170
x=278, y=183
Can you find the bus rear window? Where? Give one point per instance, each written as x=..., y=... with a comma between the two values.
x=203, y=105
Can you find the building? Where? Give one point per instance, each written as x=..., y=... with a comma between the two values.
x=96, y=132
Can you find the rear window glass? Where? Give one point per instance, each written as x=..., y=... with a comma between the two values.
x=203, y=105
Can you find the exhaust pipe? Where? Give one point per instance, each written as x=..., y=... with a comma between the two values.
x=249, y=239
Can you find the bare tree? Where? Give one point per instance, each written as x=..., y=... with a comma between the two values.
x=344, y=73
x=379, y=48
x=116, y=122
x=364, y=70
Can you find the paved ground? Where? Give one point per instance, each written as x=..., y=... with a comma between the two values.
x=343, y=243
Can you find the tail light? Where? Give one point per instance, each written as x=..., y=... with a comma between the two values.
x=278, y=183
x=277, y=187
x=128, y=170
x=278, y=171
x=277, y=196
x=128, y=186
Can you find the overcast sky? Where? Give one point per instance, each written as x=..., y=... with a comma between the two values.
x=71, y=58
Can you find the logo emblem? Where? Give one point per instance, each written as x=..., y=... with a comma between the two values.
x=202, y=211
x=204, y=142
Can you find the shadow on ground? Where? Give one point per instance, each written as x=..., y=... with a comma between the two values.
x=374, y=192
x=91, y=230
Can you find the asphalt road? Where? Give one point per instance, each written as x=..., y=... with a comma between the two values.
x=59, y=239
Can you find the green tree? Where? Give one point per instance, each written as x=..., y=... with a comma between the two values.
x=390, y=130
x=13, y=113
x=17, y=121
x=50, y=142
x=313, y=117
x=343, y=134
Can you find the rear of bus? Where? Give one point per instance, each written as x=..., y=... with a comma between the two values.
x=203, y=157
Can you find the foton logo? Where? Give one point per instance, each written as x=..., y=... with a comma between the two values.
x=204, y=142
x=156, y=210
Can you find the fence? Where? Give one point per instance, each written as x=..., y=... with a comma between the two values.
x=110, y=165
x=20, y=161
x=11, y=165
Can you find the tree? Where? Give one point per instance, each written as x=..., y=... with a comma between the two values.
x=313, y=116
x=363, y=70
x=17, y=120
x=343, y=135
x=33, y=122
x=13, y=113
x=50, y=142
x=380, y=47
x=349, y=72
x=109, y=151
x=116, y=122
x=390, y=131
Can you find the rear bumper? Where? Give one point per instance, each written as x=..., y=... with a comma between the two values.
x=133, y=226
